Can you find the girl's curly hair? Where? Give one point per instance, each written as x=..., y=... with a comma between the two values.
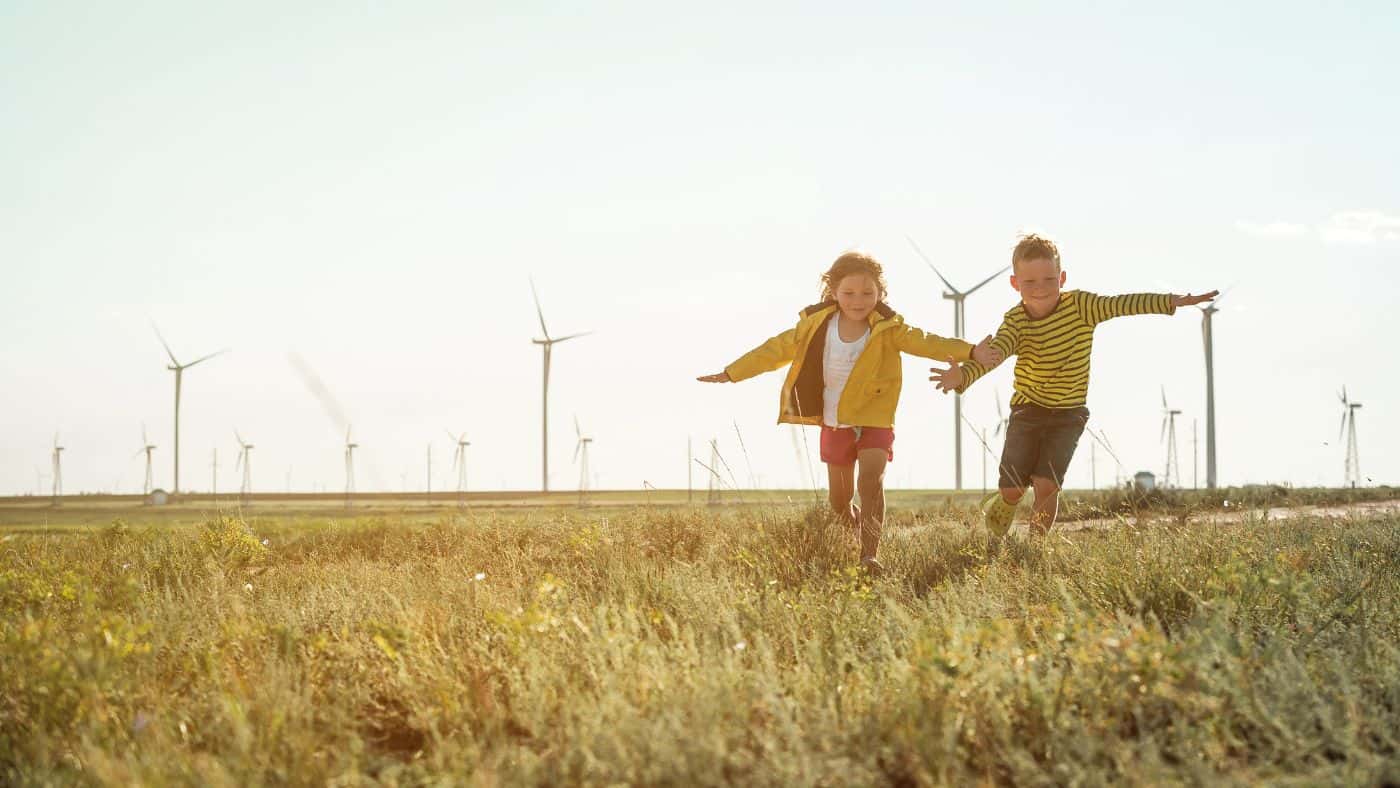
x=854, y=262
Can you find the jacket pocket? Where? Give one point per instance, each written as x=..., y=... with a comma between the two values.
x=880, y=386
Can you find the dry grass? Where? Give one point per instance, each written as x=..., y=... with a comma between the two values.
x=691, y=647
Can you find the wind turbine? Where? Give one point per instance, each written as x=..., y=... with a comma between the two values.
x=581, y=451
x=179, y=370
x=1208, y=341
x=57, y=471
x=957, y=297
x=459, y=463
x=547, y=344
x=350, y=448
x=245, y=459
x=147, y=448
x=1003, y=421
x=1353, y=460
x=1172, y=473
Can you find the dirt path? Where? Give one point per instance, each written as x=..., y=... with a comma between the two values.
x=1219, y=517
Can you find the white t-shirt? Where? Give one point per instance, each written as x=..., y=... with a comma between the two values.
x=837, y=360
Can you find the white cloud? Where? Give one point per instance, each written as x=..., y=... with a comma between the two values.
x=1360, y=227
x=1271, y=229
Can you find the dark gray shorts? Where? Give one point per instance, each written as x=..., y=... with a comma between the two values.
x=1040, y=442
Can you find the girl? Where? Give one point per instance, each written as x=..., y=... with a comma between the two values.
x=845, y=376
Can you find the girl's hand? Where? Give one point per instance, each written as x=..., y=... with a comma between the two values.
x=1192, y=300
x=947, y=379
x=722, y=377
x=986, y=355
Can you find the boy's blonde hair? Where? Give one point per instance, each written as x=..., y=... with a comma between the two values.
x=1034, y=247
x=853, y=262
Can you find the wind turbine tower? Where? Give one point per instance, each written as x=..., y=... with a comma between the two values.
x=179, y=370
x=958, y=297
x=1172, y=475
x=245, y=459
x=581, y=457
x=147, y=448
x=350, y=447
x=57, y=471
x=459, y=463
x=1353, y=461
x=1208, y=340
x=547, y=345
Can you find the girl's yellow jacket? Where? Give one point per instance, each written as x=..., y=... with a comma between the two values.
x=871, y=392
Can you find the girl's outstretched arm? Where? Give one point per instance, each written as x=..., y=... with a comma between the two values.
x=721, y=377
x=921, y=343
x=777, y=352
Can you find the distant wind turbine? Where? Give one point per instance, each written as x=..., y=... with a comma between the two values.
x=459, y=463
x=958, y=297
x=179, y=370
x=547, y=345
x=245, y=460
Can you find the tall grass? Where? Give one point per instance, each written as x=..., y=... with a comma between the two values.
x=695, y=647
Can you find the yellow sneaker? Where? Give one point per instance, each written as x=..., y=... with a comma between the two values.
x=997, y=514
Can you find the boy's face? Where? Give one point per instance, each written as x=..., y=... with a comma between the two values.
x=857, y=295
x=1039, y=281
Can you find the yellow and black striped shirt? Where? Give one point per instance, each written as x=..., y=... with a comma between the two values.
x=1052, y=352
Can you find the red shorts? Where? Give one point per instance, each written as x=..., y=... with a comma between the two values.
x=840, y=446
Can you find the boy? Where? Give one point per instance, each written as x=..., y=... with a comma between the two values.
x=1052, y=333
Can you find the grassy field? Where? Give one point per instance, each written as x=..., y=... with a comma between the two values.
x=670, y=645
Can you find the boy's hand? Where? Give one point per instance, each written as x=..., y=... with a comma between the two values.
x=1192, y=300
x=947, y=379
x=722, y=377
x=986, y=355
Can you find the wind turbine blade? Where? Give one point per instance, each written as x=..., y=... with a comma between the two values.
x=1343, y=396
x=168, y=351
x=1343, y=427
x=985, y=281
x=577, y=431
x=454, y=438
x=319, y=390
x=1164, y=397
x=206, y=358
x=538, y=309
x=571, y=336
x=239, y=437
x=144, y=440
x=921, y=254
x=1164, y=430
x=577, y=446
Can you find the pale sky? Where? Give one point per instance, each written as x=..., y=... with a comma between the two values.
x=371, y=188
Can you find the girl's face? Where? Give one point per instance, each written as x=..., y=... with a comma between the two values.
x=857, y=295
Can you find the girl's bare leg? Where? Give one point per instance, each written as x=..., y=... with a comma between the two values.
x=872, y=499
x=841, y=482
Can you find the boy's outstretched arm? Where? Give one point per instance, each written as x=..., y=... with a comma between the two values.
x=1192, y=300
x=988, y=355
x=1095, y=309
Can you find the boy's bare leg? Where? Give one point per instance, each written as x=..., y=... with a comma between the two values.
x=872, y=499
x=841, y=486
x=1047, y=505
